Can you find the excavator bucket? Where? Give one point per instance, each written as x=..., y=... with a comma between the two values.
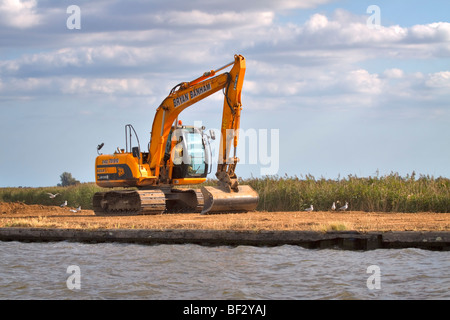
x=219, y=200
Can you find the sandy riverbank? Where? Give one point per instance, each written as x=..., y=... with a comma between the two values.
x=21, y=215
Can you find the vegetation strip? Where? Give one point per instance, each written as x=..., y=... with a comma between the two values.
x=309, y=239
x=389, y=193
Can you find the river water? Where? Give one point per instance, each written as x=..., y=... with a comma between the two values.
x=68, y=270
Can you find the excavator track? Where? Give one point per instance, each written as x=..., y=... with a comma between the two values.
x=207, y=200
x=129, y=202
x=184, y=200
x=147, y=202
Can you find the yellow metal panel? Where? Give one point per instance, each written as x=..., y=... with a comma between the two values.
x=186, y=181
x=106, y=170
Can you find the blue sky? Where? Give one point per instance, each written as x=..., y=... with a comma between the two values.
x=335, y=95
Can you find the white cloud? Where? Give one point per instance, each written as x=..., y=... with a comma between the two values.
x=55, y=86
x=107, y=86
x=363, y=82
x=29, y=87
x=433, y=32
x=439, y=80
x=315, y=60
x=393, y=73
x=79, y=59
x=347, y=37
x=19, y=13
x=251, y=5
x=201, y=18
x=340, y=39
x=316, y=23
x=297, y=4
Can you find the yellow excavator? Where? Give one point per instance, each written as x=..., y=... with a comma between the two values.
x=178, y=157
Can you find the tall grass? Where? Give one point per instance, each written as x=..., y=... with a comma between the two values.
x=389, y=193
x=77, y=195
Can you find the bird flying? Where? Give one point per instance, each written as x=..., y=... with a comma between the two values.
x=51, y=195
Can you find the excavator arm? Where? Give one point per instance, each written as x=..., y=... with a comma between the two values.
x=185, y=95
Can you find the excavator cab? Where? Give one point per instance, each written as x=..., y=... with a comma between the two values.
x=188, y=152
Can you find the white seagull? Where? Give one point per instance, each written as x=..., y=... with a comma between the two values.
x=344, y=207
x=64, y=204
x=333, y=207
x=76, y=210
x=310, y=208
x=51, y=195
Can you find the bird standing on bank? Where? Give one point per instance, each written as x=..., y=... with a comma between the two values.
x=333, y=206
x=64, y=204
x=76, y=210
x=310, y=208
x=343, y=208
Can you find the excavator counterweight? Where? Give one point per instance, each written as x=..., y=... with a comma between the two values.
x=178, y=157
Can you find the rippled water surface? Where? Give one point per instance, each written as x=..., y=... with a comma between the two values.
x=131, y=271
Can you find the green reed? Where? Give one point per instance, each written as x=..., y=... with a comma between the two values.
x=389, y=193
x=77, y=195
